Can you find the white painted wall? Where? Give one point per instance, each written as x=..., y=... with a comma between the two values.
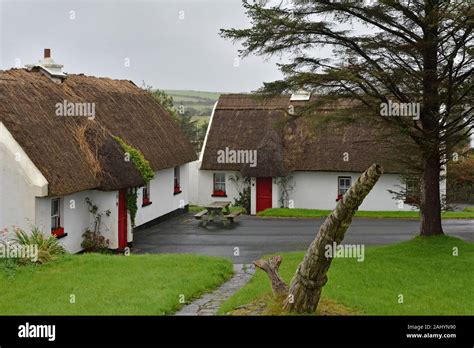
x=162, y=196
x=20, y=181
x=194, y=182
x=253, y=196
x=318, y=190
x=312, y=190
x=76, y=218
x=205, y=183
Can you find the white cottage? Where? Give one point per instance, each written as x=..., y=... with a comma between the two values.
x=53, y=157
x=289, y=161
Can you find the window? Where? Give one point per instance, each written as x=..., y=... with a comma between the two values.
x=413, y=191
x=146, y=195
x=56, y=228
x=344, y=184
x=219, y=185
x=177, y=185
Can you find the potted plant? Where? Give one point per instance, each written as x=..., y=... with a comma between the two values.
x=57, y=232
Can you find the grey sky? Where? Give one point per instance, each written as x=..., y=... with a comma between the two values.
x=164, y=49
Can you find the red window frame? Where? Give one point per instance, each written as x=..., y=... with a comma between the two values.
x=177, y=181
x=146, y=195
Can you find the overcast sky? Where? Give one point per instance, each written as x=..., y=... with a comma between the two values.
x=170, y=44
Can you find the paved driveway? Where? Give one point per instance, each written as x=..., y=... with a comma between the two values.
x=258, y=236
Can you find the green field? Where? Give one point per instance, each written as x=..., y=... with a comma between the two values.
x=201, y=102
x=425, y=271
x=109, y=284
x=314, y=213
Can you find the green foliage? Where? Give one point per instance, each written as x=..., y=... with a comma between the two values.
x=49, y=247
x=461, y=178
x=142, y=165
x=315, y=213
x=183, y=117
x=242, y=186
x=94, y=242
x=286, y=186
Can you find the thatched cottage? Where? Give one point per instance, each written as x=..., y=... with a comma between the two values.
x=59, y=145
x=290, y=162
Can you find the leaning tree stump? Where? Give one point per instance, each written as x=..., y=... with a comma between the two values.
x=304, y=292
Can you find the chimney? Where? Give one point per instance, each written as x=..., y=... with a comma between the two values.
x=49, y=67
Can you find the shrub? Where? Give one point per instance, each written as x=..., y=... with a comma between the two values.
x=48, y=246
x=94, y=242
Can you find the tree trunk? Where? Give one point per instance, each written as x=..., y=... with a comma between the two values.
x=306, y=285
x=271, y=266
x=430, y=224
x=430, y=194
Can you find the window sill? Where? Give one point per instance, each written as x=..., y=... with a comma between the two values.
x=177, y=192
x=146, y=204
x=61, y=236
x=213, y=195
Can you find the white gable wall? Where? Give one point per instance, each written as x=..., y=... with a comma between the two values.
x=20, y=181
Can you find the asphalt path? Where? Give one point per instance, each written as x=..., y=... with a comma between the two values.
x=251, y=237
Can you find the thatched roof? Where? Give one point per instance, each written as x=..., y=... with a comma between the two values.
x=76, y=153
x=286, y=143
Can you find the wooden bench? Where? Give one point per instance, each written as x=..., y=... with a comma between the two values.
x=201, y=214
x=232, y=216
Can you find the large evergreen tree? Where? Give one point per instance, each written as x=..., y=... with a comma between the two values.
x=410, y=51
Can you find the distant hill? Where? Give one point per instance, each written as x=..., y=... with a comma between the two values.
x=198, y=104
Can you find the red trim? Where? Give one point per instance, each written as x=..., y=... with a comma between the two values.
x=146, y=201
x=177, y=189
x=57, y=231
x=339, y=198
x=219, y=193
x=122, y=219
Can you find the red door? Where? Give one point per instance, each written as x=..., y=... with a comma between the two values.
x=264, y=193
x=122, y=219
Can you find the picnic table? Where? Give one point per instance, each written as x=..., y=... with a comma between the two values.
x=219, y=210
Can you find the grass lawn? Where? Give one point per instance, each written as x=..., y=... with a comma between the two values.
x=197, y=209
x=109, y=284
x=424, y=270
x=314, y=213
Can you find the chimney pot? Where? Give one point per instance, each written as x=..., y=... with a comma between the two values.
x=47, y=53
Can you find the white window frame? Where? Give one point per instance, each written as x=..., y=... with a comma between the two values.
x=219, y=183
x=55, y=216
x=342, y=189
